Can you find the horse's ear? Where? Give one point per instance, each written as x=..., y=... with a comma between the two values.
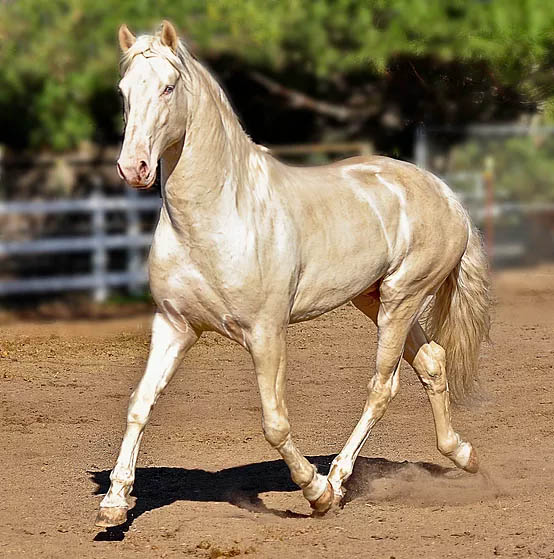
x=126, y=38
x=169, y=36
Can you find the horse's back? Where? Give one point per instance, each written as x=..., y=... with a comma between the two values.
x=429, y=216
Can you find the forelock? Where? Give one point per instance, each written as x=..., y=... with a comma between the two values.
x=151, y=46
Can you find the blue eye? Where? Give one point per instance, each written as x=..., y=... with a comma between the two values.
x=168, y=89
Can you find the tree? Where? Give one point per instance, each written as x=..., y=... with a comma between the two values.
x=58, y=62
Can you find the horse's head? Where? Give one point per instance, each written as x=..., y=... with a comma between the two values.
x=154, y=94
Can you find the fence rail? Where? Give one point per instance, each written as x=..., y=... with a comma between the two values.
x=98, y=284
x=82, y=205
x=99, y=280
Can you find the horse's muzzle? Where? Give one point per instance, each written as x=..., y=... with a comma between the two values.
x=140, y=176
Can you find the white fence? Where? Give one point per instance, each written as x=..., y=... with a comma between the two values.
x=100, y=279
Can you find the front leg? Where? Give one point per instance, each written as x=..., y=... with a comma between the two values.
x=269, y=355
x=167, y=349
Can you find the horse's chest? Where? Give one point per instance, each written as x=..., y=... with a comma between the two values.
x=210, y=285
x=176, y=274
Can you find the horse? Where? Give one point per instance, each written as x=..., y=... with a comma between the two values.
x=246, y=245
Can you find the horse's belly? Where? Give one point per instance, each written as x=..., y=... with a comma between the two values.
x=326, y=287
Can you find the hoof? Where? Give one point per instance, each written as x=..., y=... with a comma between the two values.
x=325, y=502
x=111, y=516
x=473, y=464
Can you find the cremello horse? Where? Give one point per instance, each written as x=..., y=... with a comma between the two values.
x=246, y=245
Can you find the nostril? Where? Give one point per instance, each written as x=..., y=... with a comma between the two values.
x=120, y=172
x=143, y=169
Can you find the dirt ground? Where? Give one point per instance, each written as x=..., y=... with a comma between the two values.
x=208, y=485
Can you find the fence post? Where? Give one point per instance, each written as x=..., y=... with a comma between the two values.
x=99, y=254
x=489, y=207
x=134, y=260
x=420, y=150
x=366, y=148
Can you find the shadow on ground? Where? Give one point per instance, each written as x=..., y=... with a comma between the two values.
x=242, y=485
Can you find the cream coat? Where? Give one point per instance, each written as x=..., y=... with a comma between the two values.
x=246, y=245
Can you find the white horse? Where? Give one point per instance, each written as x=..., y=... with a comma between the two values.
x=246, y=245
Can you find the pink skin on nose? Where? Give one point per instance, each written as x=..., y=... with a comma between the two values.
x=136, y=175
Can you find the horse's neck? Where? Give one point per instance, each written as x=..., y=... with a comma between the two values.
x=207, y=169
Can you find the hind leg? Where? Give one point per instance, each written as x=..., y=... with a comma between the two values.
x=429, y=362
x=394, y=321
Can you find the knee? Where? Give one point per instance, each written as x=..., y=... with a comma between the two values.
x=276, y=431
x=430, y=363
x=381, y=392
x=139, y=410
x=137, y=417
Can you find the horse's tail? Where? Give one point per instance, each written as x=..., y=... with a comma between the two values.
x=459, y=319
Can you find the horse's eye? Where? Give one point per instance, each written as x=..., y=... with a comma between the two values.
x=168, y=89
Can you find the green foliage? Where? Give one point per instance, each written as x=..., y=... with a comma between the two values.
x=58, y=57
x=523, y=166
